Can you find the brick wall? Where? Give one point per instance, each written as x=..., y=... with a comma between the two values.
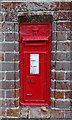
x=61, y=96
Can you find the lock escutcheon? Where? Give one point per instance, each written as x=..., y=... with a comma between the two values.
x=30, y=81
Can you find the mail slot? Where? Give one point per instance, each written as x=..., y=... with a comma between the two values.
x=35, y=47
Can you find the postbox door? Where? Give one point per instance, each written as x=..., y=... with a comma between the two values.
x=35, y=78
x=35, y=46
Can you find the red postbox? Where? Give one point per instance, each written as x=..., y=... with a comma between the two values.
x=35, y=47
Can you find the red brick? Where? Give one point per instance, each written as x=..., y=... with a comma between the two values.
x=66, y=6
x=16, y=103
x=62, y=104
x=61, y=56
x=7, y=6
x=7, y=47
x=12, y=94
x=63, y=46
x=68, y=95
x=52, y=103
x=57, y=114
x=9, y=67
x=12, y=75
x=12, y=112
x=11, y=103
x=17, y=47
x=35, y=6
x=10, y=37
x=52, y=94
x=1, y=36
x=0, y=6
x=11, y=16
x=1, y=28
x=59, y=76
x=68, y=114
x=68, y=76
x=11, y=57
x=2, y=76
x=63, y=85
x=1, y=17
x=2, y=111
x=52, y=75
x=53, y=85
x=59, y=95
x=2, y=94
x=69, y=35
x=53, y=26
x=53, y=46
x=53, y=56
x=53, y=65
x=2, y=103
x=64, y=26
x=1, y=57
x=10, y=85
x=62, y=15
x=16, y=27
x=62, y=66
x=20, y=6
x=61, y=36
x=8, y=27
x=54, y=6
x=54, y=36
x=68, y=56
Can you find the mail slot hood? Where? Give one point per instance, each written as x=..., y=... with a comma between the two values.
x=35, y=31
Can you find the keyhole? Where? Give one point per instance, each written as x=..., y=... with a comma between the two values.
x=30, y=81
